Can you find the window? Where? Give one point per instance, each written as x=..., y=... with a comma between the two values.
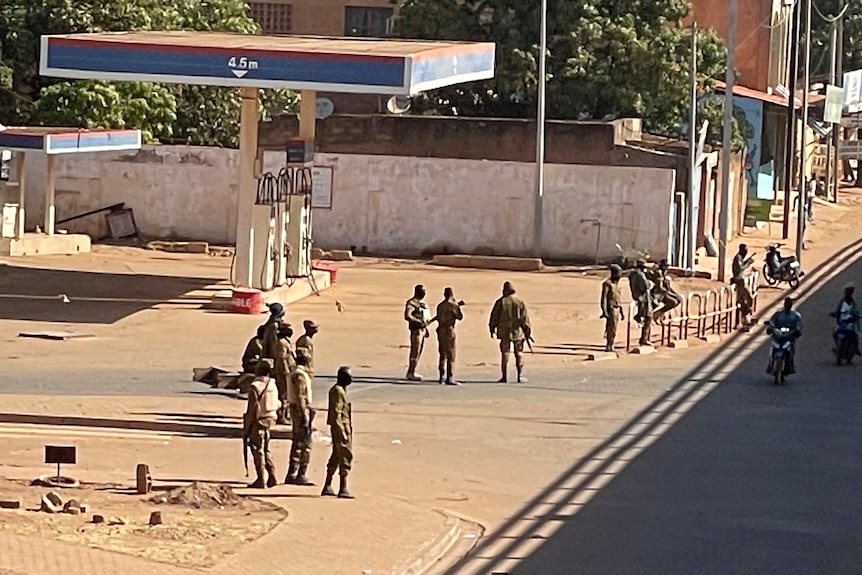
x=368, y=22
x=273, y=17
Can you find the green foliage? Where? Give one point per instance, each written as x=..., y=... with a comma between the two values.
x=188, y=114
x=711, y=109
x=606, y=58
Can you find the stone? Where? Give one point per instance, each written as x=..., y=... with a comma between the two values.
x=51, y=503
x=117, y=521
x=340, y=256
x=10, y=504
x=156, y=518
x=711, y=338
x=678, y=344
x=601, y=355
x=72, y=507
x=643, y=350
x=98, y=518
x=84, y=507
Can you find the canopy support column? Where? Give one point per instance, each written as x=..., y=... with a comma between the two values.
x=247, y=190
x=19, y=224
x=49, y=197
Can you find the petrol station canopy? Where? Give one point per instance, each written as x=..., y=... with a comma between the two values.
x=351, y=65
x=55, y=141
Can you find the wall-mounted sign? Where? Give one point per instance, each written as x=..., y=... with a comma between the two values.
x=321, y=188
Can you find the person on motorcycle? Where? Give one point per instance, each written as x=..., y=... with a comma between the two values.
x=847, y=311
x=791, y=319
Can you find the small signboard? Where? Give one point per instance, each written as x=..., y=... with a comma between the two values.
x=834, y=104
x=60, y=455
x=321, y=187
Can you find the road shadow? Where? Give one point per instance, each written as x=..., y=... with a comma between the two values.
x=177, y=428
x=751, y=478
x=34, y=294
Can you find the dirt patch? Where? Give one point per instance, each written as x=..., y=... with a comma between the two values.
x=203, y=524
x=200, y=496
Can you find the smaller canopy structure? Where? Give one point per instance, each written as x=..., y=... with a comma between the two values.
x=53, y=142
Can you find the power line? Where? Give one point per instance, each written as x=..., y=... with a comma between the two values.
x=830, y=19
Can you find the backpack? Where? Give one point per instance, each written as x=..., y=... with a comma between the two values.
x=266, y=400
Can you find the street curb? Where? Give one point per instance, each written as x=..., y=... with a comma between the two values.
x=488, y=262
x=436, y=549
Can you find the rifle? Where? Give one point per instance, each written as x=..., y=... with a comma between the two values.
x=528, y=333
x=245, y=441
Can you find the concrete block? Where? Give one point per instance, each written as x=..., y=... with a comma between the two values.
x=44, y=245
x=72, y=507
x=489, y=262
x=711, y=338
x=602, y=356
x=678, y=344
x=317, y=253
x=51, y=503
x=10, y=504
x=643, y=350
x=340, y=256
x=156, y=518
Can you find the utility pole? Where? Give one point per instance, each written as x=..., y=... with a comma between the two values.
x=540, y=135
x=803, y=188
x=837, y=129
x=831, y=144
x=730, y=78
x=790, y=143
x=693, y=193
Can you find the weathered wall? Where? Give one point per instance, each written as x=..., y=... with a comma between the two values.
x=386, y=204
x=182, y=192
x=411, y=206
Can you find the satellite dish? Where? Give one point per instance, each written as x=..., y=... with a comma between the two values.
x=398, y=105
x=323, y=108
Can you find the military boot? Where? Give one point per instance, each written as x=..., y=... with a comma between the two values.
x=290, y=478
x=343, y=491
x=259, y=483
x=271, y=480
x=302, y=478
x=327, y=486
x=609, y=348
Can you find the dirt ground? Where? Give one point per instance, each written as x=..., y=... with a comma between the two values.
x=197, y=532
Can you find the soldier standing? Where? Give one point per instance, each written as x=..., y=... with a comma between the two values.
x=416, y=316
x=253, y=352
x=448, y=313
x=301, y=415
x=510, y=323
x=663, y=292
x=341, y=429
x=612, y=305
x=270, y=330
x=741, y=263
x=641, y=289
x=305, y=343
x=258, y=420
x=285, y=362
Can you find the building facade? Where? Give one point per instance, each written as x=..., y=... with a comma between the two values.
x=762, y=38
x=368, y=18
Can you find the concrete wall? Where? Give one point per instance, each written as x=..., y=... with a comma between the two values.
x=412, y=206
x=181, y=192
x=386, y=204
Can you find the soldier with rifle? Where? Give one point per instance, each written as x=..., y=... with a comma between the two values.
x=258, y=420
x=510, y=323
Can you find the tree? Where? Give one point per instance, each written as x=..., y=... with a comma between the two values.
x=606, y=58
x=187, y=114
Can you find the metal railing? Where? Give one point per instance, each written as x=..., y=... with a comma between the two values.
x=701, y=313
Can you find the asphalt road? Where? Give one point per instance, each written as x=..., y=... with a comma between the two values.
x=753, y=479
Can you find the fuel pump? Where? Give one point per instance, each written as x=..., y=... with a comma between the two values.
x=300, y=159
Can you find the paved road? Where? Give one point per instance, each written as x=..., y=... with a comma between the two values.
x=754, y=479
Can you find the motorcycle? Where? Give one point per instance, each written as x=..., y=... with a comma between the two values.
x=777, y=269
x=845, y=341
x=782, y=348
